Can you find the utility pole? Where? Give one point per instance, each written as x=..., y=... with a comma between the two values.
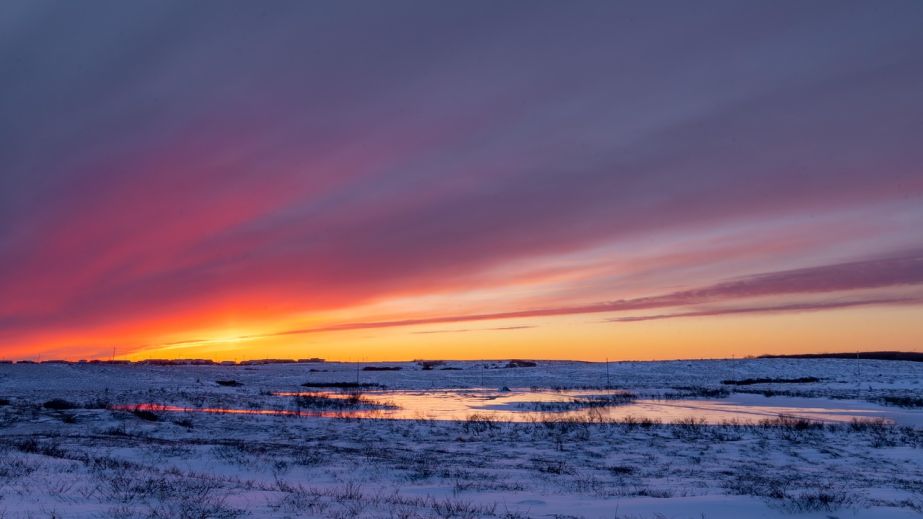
x=607, y=374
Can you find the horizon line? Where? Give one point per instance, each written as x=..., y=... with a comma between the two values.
x=318, y=360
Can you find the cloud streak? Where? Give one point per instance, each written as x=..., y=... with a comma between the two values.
x=769, y=309
x=881, y=272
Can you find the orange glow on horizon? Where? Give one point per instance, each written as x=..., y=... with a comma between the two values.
x=551, y=338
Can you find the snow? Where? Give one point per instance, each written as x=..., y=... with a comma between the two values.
x=102, y=460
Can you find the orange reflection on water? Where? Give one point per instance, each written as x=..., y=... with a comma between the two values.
x=543, y=405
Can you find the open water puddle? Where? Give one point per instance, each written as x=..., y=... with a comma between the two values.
x=525, y=405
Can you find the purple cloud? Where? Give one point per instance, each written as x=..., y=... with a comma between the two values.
x=881, y=272
x=173, y=159
x=767, y=309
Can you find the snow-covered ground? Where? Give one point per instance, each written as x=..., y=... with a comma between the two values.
x=92, y=456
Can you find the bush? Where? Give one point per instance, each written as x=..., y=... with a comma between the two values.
x=184, y=422
x=118, y=430
x=581, y=402
x=792, y=423
x=144, y=414
x=751, y=381
x=59, y=404
x=428, y=365
x=903, y=401
x=48, y=448
x=685, y=392
x=341, y=385
x=228, y=383
x=516, y=363
x=816, y=500
x=351, y=400
x=478, y=423
x=99, y=403
x=868, y=424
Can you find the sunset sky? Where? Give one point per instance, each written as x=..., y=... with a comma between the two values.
x=477, y=179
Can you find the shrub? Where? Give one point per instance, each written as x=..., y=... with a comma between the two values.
x=228, y=383
x=868, y=424
x=118, y=430
x=352, y=400
x=792, y=423
x=685, y=392
x=48, y=448
x=516, y=363
x=144, y=414
x=184, y=422
x=582, y=402
x=99, y=403
x=428, y=365
x=554, y=467
x=751, y=381
x=903, y=401
x=58, y=404
x=816, y=500
x=478, y=423
x=341, y=385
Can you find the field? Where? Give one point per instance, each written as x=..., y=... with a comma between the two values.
x=322, y=440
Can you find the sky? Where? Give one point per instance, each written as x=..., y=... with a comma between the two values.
x=483, y=179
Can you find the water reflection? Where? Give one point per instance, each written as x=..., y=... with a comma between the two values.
x=539, y=405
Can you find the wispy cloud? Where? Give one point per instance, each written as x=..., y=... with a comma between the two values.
x=465, y=330
x=903, y=269
x=766, y=309
x=428, y=332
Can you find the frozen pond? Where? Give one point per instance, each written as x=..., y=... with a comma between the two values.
x=525, y=405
